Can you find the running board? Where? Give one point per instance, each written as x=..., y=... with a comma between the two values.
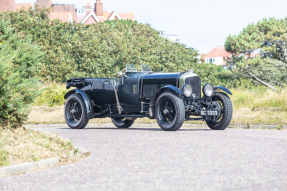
x=122, y=115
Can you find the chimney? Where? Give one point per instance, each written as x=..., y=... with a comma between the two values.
x=7, y=5
x=87, y=6
x=44, y=3
x=99, y=8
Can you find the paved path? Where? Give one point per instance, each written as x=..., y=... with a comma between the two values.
x=145, y=158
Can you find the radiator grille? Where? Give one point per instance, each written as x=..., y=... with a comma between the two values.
x=195, y=83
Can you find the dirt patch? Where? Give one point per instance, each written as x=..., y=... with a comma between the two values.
x=45, y=115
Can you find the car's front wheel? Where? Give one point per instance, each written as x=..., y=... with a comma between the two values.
x=170, y=112
x=75, y=112
x=122, y=122
x=225, y=106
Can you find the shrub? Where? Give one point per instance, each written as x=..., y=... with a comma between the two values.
x=19, y=62
x=53, y=95
x=103, y=49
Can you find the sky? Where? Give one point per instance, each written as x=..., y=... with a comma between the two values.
x=201, y=24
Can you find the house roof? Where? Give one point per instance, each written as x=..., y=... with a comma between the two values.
x=21, y=6
x=79, y=18
x=64, y=16
x=218, y=51
x=106, y=16
x=126, y=16
x=252, y=55
x=90, y=18
x=113, y=15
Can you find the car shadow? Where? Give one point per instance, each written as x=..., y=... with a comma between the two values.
x=136, y=129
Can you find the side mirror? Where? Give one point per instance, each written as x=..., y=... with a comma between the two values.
x=120, y=73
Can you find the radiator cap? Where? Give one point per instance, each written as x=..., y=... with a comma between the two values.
x=190, y=70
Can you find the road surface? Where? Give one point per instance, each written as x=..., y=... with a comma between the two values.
x=147, y=158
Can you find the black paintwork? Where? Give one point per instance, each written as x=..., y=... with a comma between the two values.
x=153, y=82
x=137, y=93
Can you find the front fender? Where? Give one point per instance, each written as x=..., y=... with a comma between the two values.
x=222, y=88
x=155, y=96
x=87, y=100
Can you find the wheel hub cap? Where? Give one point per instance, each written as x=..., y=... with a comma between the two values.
x=165, y=111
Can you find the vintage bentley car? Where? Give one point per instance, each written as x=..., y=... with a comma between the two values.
x=170, y=98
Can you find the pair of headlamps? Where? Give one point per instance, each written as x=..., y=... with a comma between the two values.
x=207, y=90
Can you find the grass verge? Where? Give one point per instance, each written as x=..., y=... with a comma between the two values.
x=27, y=145
x=256, y=105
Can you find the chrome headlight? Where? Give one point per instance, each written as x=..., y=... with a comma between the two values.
x=207, y=90
x=187, y=90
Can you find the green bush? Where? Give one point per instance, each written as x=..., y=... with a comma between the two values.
x=103, y=49
x=19, y=63
x=53, y=95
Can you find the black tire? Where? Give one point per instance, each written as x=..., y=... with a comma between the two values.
x=75, y=112
x=221, y=122
x=122, y=122
x=170, y=112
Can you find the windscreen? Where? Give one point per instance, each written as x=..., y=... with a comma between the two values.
x=145, y=68
x=131, y=68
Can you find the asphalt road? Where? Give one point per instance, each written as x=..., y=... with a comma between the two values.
x=151, y=159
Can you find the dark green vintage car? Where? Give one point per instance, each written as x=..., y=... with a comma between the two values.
x=170, y=98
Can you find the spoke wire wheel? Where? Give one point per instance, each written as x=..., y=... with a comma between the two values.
x=167, y=111
x=223, y=120
x=122, y=122
x=75, y=112
x=220, y=107
x=170, y=112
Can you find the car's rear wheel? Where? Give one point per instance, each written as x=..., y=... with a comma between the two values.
x=170, y=112
x=122, y=122
x=75, y=112
x=223, y=120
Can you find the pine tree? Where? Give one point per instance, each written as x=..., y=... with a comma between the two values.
x=270, y=37
x=19, y=63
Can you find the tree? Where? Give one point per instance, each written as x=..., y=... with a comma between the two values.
x=19, y=62
x=268, y=36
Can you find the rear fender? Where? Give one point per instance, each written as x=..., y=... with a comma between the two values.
x=173, y=89
x=222, y=88
x=87, y=100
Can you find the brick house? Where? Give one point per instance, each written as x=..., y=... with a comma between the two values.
x=68, y=12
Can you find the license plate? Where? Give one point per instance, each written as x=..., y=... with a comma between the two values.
x=209, y=113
